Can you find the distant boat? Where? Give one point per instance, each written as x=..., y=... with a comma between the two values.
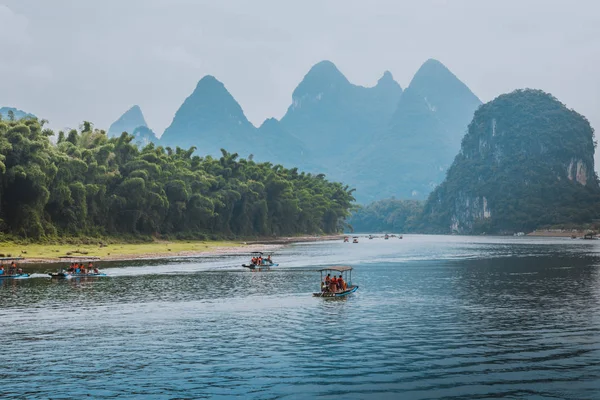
x=346, y=239
x=355, y=239
x=519, y=234
x=386, y=237
x=370, y=236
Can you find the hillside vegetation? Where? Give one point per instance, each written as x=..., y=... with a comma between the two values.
x=89, y=184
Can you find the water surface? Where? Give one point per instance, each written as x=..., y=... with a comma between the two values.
x=436, y=317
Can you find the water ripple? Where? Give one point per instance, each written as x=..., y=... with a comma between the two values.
x=435, y=318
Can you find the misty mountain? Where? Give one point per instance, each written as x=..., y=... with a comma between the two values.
x=18, y=114
x=332, y=116
x=128, y=122
x=144, y=136
x=280, y=147
x=381, y=140
x=422, y=137
x=211, y=119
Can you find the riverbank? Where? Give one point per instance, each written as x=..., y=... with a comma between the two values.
x=559, y=233
x=50, y=253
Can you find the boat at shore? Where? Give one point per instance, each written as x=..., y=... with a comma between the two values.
x=77, y=270
x=332, y=290
x=12, y=271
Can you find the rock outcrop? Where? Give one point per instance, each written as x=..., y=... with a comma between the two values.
x=526, y=161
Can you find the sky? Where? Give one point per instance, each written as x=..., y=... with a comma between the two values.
x=69, y=61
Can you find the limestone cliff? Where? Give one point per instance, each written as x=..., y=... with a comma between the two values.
x=526, y=161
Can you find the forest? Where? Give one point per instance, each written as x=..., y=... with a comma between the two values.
x=87, y=184
x=388, y=215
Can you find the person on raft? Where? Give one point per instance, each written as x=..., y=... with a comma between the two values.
x=334, y=284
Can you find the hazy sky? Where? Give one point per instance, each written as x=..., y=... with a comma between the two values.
x=67, y=61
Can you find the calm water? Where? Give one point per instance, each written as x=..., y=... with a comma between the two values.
x=435, y=318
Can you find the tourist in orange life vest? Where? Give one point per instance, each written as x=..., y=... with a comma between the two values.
x=333, y=285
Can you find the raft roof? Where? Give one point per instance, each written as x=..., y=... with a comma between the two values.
x=340, y=268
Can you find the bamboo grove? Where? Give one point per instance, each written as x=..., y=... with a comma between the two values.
x=90, y=185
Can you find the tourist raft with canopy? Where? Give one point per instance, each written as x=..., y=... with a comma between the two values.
x=79, y=268
x=331, y=288
x=259, y=260
x=9, y=269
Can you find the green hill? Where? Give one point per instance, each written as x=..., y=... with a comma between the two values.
x=526, y=161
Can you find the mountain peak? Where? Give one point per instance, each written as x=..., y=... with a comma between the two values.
x=387, y=81
x=210, y=87
x=434, y=73
x=210, y=119
x=322, y=77
x=386, y=77
x=325, y=70
x=441, y=90
x=269, y=122
x=209, y=80
x=128, y=122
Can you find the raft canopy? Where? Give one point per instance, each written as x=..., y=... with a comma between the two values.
x=11, y=258
x=337, y=268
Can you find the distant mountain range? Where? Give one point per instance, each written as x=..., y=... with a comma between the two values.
x=18, y=114
x=381, y=140
x=133, y=122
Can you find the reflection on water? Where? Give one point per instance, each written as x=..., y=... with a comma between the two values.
x=435, y=317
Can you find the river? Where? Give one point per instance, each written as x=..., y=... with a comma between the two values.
x=435, y=317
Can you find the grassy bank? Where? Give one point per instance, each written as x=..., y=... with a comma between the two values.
x=127, y=250
x=50, y=252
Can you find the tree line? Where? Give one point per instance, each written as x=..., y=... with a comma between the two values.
x=387, y=215
x=87, y=184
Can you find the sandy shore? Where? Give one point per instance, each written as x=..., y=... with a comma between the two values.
x=40, y=254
